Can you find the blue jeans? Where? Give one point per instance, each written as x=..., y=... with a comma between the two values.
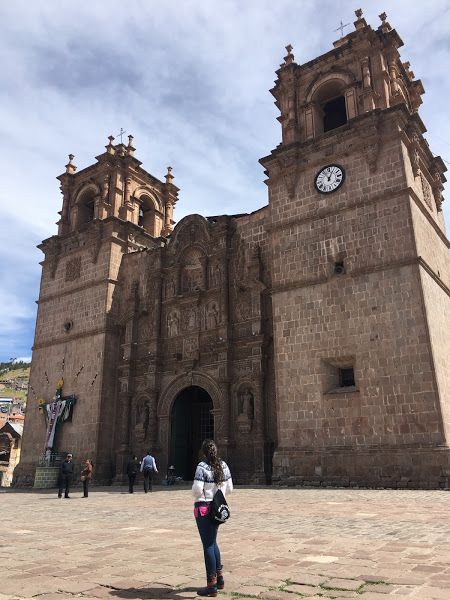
x=208, y=535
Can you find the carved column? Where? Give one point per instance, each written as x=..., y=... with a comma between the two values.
x=350, y=103
x=368, y=95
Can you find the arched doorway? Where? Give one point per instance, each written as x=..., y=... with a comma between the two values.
x=191, y=421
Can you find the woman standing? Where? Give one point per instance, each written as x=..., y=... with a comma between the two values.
x=211, y=473
x=86, y=476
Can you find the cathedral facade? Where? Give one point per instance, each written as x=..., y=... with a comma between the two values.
x=309, y=338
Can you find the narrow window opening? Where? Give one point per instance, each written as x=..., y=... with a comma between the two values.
x=347, y=377
x=335, y=114
x=89, y=211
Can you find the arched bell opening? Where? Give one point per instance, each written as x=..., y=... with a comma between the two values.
x=86, y=208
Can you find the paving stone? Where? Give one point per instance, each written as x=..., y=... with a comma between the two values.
x=277, y=595
x=431, y=593
x=375, y=596
x=302, y=589
x=248, y=590
x=343, y=584
x=381, y=588
x=75, y=586
x=308, y=579
x=410, y=531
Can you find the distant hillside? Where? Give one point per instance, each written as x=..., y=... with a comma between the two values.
x=14, y=378
x=16, y=374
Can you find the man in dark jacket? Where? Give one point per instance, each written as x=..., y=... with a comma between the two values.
x=132, y=471
x=65, y=476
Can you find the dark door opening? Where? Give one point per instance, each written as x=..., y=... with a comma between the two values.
x=191, y=421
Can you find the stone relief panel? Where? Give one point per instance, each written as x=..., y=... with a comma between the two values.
x=145, y=329
x=140, y=419
x=191, y=320
x=245, y=409
x=190, y=347
x=170, y=288
x=212, y=315
x=192, y=274
x=73, y=269
x=426, y=190
x=173, y=324
x=215, y=275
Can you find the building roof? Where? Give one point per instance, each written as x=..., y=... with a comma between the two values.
x=17, y=428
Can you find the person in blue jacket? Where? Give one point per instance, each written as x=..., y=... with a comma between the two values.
x=148, y=467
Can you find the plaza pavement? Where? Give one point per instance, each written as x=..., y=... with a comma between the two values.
x=281, y=544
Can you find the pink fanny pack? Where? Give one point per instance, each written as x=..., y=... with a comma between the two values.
x=201, y=511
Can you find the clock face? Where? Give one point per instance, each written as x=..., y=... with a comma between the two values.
x=329, y=179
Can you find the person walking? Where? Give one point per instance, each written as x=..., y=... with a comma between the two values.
x=65, y=476
x=86, y=476
x=132, y=471
x=148, y=467
x=211, y=474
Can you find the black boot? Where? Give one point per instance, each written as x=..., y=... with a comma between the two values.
x=210, y=589
x=220, y=579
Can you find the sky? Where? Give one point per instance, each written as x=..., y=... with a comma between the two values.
x=189, y=80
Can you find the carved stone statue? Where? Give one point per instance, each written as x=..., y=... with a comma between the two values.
x=212, y=316
x=170, y=288
x=173, y=324
x=246, y=403
x=246, y=410
x=215, y=276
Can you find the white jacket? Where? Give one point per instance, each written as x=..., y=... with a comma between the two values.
x=204, y=488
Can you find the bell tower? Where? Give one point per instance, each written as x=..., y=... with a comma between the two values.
x=360, y=271
x=110, y=209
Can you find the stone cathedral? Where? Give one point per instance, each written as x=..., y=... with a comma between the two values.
x=310, y=338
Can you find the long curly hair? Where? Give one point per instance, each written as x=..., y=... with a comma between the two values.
x=209, y=450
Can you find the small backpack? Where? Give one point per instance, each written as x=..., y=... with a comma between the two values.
x=219, y=511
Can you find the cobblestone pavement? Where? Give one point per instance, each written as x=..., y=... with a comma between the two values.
x=280, y=544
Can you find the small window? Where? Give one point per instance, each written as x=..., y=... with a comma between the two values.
x=335, y=114
x=347, y=377
x=339, y=375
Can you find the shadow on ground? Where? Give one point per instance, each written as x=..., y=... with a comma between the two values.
x=167, y=593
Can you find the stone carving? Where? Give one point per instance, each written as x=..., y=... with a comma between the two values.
x=190, y=347
x=426, y=191
x=141, y=419
x=215, y=275
x=212, y=316
x=414, y=154
x=191, y=321
x=73, y=269
x=246, y=403
x=173, y=324
x=366, y=72
x=170, y=288
x=105, y=188
x=145, y=329
x=437, y=189
x=191, y=279
x=246, y=410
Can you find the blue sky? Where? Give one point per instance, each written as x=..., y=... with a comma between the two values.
x=189, y=79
